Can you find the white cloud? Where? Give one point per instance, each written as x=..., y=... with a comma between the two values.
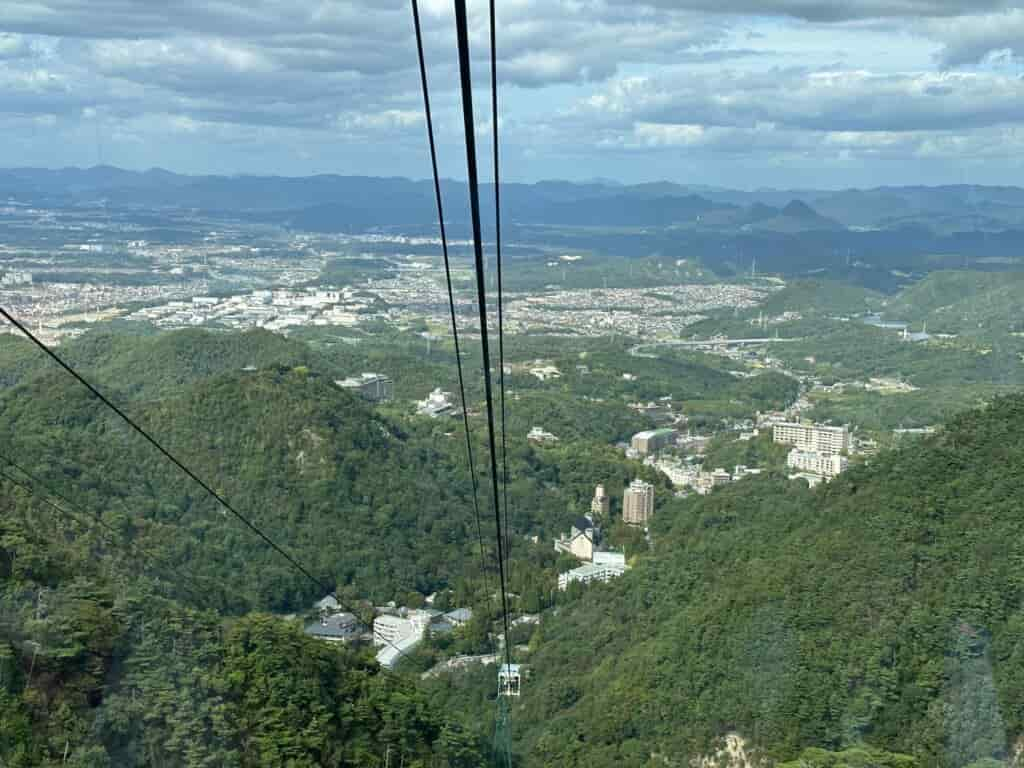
x=831, y=100
x=831, y=11
x=971, y=40
x=582, y=80
x=669, y=135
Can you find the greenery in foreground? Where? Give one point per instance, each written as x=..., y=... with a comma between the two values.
x=139, y=648
x=873, y=622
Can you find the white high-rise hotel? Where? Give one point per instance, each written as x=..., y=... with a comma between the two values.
x=812, y=437
x=826, y=465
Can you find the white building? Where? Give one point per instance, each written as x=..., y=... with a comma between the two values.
x=705, y=482
x=437, y=403
x=825, y=465
x=543, y=372
x=389, y=655
x=742, y=470
x=372, y=386
x=328, y=604
x=606, y=566
x=540, y=435
x=396, y=635
x=390, y=629
x=813, y=437
x=678, y=473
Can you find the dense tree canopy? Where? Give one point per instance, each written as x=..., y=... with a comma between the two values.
x=881, y=609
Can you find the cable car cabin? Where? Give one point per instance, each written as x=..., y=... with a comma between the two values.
x=508, y=680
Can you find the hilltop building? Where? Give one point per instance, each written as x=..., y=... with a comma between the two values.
x=336, y=627
x=605, y=567
x=372, y=386
x=899, y=434
x=705, y=482
x=652, y=440
x=600, y=504
x=580, y=541
x=813, y=437
x=638, y=503
x=544, y=371
x=389, y=628
x=678, y=473
x=437, y=403
x=540, y=435
x=396, y=635
x=825, y=465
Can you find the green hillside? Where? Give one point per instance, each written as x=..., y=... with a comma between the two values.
x=973, y=303
x=98, y=669
x=816, y=297
x=135, y=644
x=135, y=365
x=882, y=610
x=307, y=460
x=379, y=506
x=875, y=621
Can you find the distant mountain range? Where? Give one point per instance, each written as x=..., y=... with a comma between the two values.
x=360, y=203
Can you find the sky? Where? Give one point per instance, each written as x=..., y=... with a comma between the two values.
x=736, y=93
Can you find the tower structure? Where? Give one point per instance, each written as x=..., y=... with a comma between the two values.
x=638, y=503
x=600, y=504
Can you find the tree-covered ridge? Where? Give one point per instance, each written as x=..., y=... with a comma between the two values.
x=308, y=461
x=98, y=669
x=882, y=609
x=137, y=365
x=374, y=502
x=105, y=659
x=821, y=297
x=982, y=304
x=105, y=649
x=860, y=624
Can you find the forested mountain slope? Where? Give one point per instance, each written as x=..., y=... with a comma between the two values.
x=964, y=302
x=882, y=609
x=139, y=366
x=121, y=645
x=346, y=490
x=98, y=669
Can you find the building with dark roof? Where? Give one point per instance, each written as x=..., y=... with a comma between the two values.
x=581, y=539
x=337, y=627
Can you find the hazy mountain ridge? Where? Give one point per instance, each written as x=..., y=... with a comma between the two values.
x=368, y=201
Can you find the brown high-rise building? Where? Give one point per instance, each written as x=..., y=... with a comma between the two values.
x=638, y=503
